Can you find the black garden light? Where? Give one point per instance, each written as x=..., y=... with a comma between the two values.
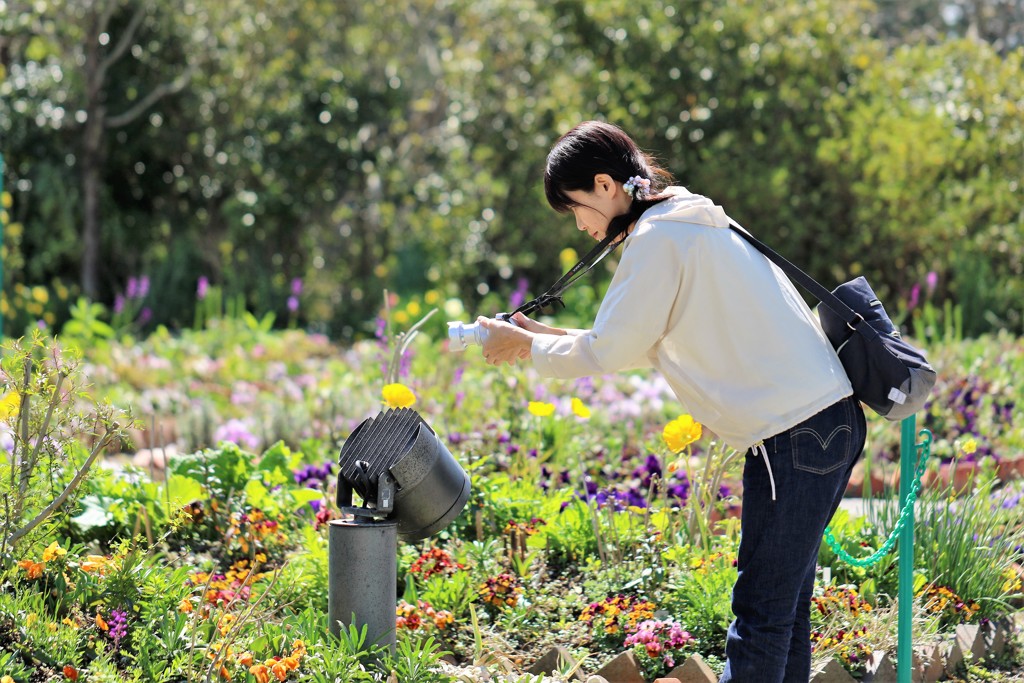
x=411, y=487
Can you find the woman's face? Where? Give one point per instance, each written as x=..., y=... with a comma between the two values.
x=595, y=209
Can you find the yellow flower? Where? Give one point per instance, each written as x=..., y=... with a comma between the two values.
x=95, y=563
x=31, y=618
x=541, y=409
x=6, y=679
x=579, y=409
x=53, y=551
x=413, y=308
x=398, y=396
x=9, y=405
x=224, y=624
x=185, y=606
x=969, y=446
x=567, y=257
x=681, y=432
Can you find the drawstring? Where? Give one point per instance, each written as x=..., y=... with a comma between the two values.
x=764, y=452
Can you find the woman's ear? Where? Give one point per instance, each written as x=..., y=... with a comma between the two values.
x=604, y=185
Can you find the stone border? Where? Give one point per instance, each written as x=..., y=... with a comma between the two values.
x=932, y=662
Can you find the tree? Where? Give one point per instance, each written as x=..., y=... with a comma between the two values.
x=88, y=42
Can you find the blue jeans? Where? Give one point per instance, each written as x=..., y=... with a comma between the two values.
x=769, y=639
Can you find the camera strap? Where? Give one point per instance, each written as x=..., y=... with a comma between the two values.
x=553, y=297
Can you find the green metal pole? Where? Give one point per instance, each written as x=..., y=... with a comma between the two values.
x=904, y=645
x=2, y=211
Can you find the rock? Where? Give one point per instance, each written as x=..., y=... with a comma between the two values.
x=693, y=670
x=557, y=659
x=952, y=657
x=880, y=669
x=928, y=665
x=832, y=672
x=622, y=669
x=597, y=679
x=970, y=639
x=994, y=634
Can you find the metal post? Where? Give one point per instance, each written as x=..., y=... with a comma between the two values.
x=2, y=211
x=362, y=578
x=904, y=645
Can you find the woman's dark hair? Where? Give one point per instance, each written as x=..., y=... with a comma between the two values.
x=595, y=147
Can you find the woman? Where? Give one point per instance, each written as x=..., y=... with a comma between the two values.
x=743, y=353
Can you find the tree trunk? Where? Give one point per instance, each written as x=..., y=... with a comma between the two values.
x=91, y=163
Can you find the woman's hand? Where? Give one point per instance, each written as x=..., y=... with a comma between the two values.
x=506, y=343
x=534, y=326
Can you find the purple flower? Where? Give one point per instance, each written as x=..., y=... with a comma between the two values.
x=143, y=287
x=519, y=295
x=145, y=315
x=932, y=280
x=132, y=289
x=237, y=432
x=296, y=286
x=915, y=295
x=202, y=287
x=118, y=303
x=293, y=304
x=118, y=627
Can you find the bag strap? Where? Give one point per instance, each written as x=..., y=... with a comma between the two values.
x=851, y=317
x=554, y=293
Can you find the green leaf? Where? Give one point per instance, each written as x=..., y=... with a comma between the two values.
x=259, y=496
x=94, y=515
x=277, y=463
x=303, y=497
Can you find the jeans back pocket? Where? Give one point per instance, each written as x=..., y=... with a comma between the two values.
x=824, y=442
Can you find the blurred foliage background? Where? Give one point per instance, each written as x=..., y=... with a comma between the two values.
x=299, y=157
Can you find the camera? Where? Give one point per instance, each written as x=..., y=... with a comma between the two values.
x=463, y=335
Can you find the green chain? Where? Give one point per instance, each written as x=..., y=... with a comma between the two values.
x=923, y=450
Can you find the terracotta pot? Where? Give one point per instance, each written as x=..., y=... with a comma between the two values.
x=1008, y=470
x=961, y=474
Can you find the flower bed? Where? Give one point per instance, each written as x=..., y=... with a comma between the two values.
x=601, y=520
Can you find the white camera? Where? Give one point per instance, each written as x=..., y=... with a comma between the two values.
x=463, y=335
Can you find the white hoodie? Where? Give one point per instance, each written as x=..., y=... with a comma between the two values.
x=741, y=350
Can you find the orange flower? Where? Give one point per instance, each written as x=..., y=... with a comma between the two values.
x=224, y=673
x=280, y=670
x=94, y=563
x=291, y=663
x=298, y=648
x=70, y=672
x=34, y=569
x=261, y=672
x=185, y=606
x=245, y=659
x=102, y=625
